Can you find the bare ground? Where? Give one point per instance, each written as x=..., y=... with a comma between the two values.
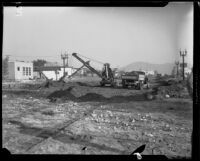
x=79, y=117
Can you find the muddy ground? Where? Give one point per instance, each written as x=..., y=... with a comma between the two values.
x=80, y=117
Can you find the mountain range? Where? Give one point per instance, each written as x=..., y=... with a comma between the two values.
x=160, y=68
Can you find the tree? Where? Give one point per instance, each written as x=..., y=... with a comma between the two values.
x=5, y=67
x=39, y=63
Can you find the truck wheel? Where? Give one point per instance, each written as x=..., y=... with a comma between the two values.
x=102, y=84
x=113, y=84
x=148, y=86
x=138, y=86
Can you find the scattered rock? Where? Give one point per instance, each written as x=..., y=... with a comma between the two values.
x=150, y=135
x=84, y=148
x=53, y=99
x=94, y=115
x=176, y=90
x=87, y=119
x=51, y=113
x=149, y=96
x=167, y=96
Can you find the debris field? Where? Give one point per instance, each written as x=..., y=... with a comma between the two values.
x=80, y=117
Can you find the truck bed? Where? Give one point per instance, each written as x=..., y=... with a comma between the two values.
x=132, y=77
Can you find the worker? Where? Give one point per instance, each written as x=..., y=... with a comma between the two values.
x=103, y=71
x=146, y=81
x=110, y=74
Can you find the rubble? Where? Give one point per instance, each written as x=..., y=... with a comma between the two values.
x=96, y=120
x=167, y=96
x=174, y=90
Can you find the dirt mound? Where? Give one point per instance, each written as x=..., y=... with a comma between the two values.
x=176, y=90
x=82, y=84
x=63, y=94
x=92, y=97
x=49, y=84
x=68, y=94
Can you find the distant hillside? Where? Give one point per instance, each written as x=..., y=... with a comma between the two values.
x=161, y=68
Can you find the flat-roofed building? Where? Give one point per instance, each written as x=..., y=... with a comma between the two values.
x=20, y=70
x=52, y=72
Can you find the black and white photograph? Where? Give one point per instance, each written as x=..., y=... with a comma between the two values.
x=98, y=80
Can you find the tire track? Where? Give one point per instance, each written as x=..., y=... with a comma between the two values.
x=45, y=134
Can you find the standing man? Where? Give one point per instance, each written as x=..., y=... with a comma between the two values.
x=146, y=81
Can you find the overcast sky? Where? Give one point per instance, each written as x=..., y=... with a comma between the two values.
x=118, y=35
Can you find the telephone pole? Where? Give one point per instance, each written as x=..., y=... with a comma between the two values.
x=67, y=60
x=177, y=63
x=183, y=54
x=64, y=56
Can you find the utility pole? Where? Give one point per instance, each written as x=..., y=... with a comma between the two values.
x=183, y=54
x=177, y=63
x=67, y=60
x=64, y=56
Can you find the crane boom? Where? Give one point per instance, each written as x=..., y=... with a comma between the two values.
x=87, y=65
x=76, y=71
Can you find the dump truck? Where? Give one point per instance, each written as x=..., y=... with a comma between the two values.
x=136, y=79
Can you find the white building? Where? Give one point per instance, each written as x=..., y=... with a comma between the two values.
x=187, y=70
x=150, y=72
x=52, y=72
x=20, y=70
x=56, y=75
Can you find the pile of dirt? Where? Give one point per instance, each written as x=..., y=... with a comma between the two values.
x=83, y=84
x=68, y=94
x=176, y=90
x=92, y=97
x=75, y=94
x=62, y=94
